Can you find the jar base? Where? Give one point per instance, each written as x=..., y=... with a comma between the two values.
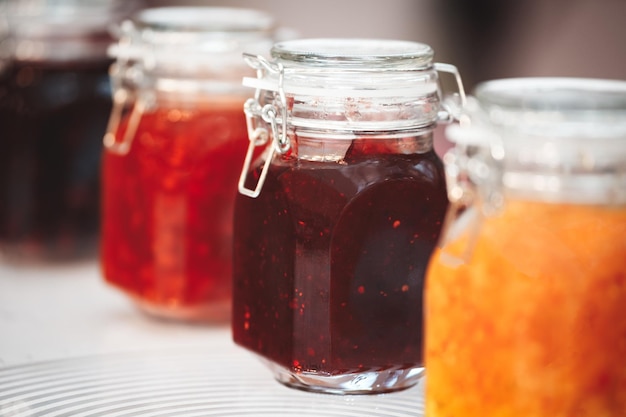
x=52, y=252
x=370, y=382
x=217, y=313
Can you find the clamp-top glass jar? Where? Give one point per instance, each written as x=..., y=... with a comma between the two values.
x=525, y=301
x=54, y=103
x=173, y=151
x=335, y=222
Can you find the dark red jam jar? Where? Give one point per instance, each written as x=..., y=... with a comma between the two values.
x=336, y=220
x=174, y=147
x=54, y=103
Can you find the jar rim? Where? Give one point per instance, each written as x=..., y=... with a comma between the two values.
x=347, y=68
x=554, y=107
x=354, y=52
x=194, y=38
x=553, y=94
x=61, y=31
x=42, y=19
x=203, y=19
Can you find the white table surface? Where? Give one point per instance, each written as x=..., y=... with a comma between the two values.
x=72, y=346
x=51, y=312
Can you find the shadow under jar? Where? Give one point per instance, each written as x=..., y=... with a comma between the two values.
x=54, y=103
x=173, y=152
x=336, y=220
x=525, y=300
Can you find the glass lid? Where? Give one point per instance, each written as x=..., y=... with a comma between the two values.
x=556, y=107
x=204, y=19
x=355, y=68
x=363, y=53
x=188, y=37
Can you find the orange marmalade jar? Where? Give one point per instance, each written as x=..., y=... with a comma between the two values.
x=525, y=300
x=173, y=151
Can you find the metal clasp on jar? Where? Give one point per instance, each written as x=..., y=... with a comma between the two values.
x=126, y=79
x=473, y=170
x=258, y=118
x=123, y=100
x=451, y=111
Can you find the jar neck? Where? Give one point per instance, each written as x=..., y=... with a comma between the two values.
x=577, y=171
x=323, y=118
x=361, y=114
x=334, y=147
x=152, y=92
x=547, y=173
x=61, y=52
x=156, y=68
x=190, y=44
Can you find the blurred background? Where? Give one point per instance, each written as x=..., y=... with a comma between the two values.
x=486, y=39
x=53, y=114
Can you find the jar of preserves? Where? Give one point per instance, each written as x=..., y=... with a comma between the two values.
x=336, y=220
x=54, y=105
x=525, y=299
x=174, y=147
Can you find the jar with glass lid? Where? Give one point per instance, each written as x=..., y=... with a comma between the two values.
x=336, y=220
x=54, y=104
x=174, y=147
x=525, y=299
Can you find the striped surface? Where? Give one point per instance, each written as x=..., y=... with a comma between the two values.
x=208, y=381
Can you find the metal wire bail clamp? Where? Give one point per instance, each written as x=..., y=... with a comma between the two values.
x=257, y=117
x=123, y=97
x=449, y=114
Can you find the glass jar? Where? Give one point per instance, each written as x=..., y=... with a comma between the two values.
x=336, y=220
x=54, y=105
x=173, y=151
x=525, y=299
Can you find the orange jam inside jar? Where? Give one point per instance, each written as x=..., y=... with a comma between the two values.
x=175, y=144
x=525, y=298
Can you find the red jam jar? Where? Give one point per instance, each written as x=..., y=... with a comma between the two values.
x=54, y=103
x=174, y=147
x=336, y=220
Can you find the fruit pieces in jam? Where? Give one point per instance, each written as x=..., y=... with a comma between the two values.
x=168, y=208
x=534, y=324
x=329, y=261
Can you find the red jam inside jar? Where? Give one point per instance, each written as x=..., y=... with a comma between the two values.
x=335, y=223
x=52, y=116
x=329, y=260
x=168, y=207
x=174, y=148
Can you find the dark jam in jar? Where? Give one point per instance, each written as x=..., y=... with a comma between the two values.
x=52, y=118
x=336, y=223
x=329, y=260
x=168, y=207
